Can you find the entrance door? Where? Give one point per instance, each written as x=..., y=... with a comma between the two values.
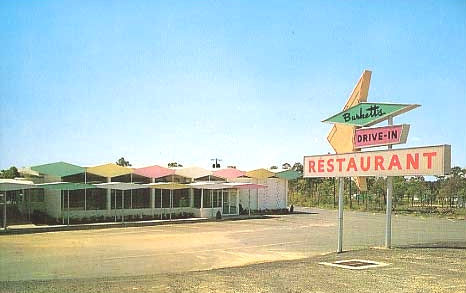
x=226, y=202
x=229, y=202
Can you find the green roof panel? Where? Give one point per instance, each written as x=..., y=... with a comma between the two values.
x=289, y=174
x=59, y=169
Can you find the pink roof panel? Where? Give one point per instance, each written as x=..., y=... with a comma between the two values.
x=229, y=173
x=154, y=171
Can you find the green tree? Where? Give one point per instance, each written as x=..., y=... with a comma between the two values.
x=416, y=188
x=273, y=167
x=399, y=189
x=122, y=162
x=174, y=164
x=453, y=186
x=376, y=186
x=298, y=167
x=10, y=173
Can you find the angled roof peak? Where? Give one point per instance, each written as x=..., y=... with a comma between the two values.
x=109, y=170
x=154, y=171
x=260, y=174
x=59, y=169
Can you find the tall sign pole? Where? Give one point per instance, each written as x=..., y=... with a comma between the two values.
x=388, y=224
x=341, y=181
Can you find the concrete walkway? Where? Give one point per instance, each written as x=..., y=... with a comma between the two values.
x=32, y=228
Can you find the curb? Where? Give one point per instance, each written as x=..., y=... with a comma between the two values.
x=18, y=231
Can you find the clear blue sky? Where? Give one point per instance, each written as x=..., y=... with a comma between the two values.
x=90, y=81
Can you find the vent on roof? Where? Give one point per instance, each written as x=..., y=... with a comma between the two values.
x=355, y=264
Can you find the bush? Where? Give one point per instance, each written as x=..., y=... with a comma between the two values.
x=39, y=217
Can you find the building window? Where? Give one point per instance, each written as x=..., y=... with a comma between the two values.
x=96, y=199
x=181, y=198
x=197, y=198
x=218, y=198
x=76, y=199
x=206, y=198
x=35, y=195
x=141, y=198
x=165, y=198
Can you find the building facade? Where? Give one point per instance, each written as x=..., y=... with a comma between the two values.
x=116, y=193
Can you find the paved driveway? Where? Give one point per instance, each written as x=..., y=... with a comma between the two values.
x=203, y=246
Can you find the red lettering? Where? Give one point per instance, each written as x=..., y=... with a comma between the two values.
x=320, y=166
x=330, y=166
x=379, y=163
x=351, y=164
x=394, y=162
x=429, y=158
x=311, y=166
x=410, y=162
x=340, y=162
x=366, y=168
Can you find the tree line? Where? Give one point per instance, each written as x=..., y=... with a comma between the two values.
x=413, y=191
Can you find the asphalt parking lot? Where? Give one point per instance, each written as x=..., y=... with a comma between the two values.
x=140, y=251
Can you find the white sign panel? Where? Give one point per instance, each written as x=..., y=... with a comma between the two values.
x=432, y=160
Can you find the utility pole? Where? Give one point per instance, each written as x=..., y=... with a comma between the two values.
x=216, y=165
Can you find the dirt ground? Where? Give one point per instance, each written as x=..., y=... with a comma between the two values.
x=410, y=270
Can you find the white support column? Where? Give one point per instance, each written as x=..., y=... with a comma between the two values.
x=222, y=203
x=122, y=206
x=68, y=214
x=286, y=193
x=115, y=204
x=257, y=196
x=229, y=202
x=171, y=203
x=29, y=205
x=340, y=215
x=211, y=203
x=202, y=199
x=191, y=197
x=85, y=193
x=131, y=193
x=62, y=197
x=249, y=203
x=4, y=211
x=237, y=201
x=109, y=195
x=388, y=222
x=152, y=198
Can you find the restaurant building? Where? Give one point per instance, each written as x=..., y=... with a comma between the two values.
x=110, y=192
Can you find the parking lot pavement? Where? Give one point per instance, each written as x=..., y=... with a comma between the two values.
x=202, y=246
x=407, y=270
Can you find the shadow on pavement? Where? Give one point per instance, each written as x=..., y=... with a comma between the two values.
x=450, y=244
x=303, y=213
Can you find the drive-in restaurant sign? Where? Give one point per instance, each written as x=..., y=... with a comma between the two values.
x=379, y=136
x=432, y=160
x=357, y=113
x=367, y=114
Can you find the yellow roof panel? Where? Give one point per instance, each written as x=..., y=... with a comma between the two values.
x=260, y=174
x=109, y=170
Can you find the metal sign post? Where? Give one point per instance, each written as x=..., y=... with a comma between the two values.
x=341, y=181
x=388, y=224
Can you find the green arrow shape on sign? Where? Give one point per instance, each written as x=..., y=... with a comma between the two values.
x=367, y=114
